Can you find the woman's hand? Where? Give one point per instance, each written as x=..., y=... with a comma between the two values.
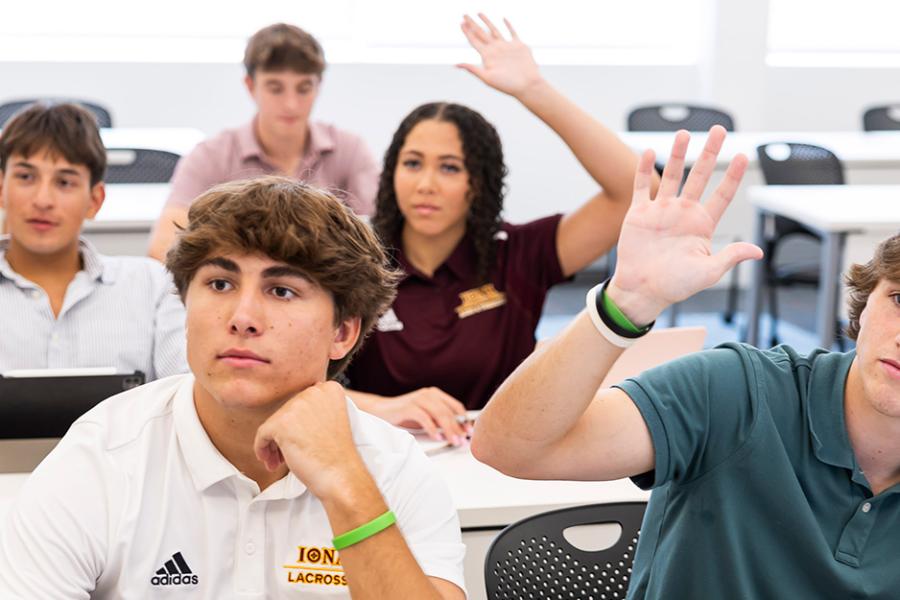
x=507, y=65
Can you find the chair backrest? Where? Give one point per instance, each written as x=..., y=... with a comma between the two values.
x=7, y=110
x=882, y=118
x=672, y=117
x=138, y=165
x=533, y=559
x=790, y=163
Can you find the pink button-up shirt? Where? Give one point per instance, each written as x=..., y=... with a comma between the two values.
x=335, y=160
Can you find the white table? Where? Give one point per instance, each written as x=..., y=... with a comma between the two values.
x=832, y=211
x=865, y=149
x=179, y=140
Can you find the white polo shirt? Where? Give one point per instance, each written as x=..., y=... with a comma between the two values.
x=136, y=502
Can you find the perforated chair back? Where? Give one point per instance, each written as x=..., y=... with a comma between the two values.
x=9, y=109
x=672, y=117
x=789, y=163
x=882, y=118
x=533, y=559
x=138, y=165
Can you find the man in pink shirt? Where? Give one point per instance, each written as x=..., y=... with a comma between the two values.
x=284, y=72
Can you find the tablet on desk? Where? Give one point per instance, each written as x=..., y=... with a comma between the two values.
x=37, y=407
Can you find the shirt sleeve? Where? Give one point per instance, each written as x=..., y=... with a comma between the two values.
x=195, y=173
x=700, y=410
x=169, y=351
x=362, y=180
x=55, y=538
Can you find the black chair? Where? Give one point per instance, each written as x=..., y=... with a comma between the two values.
x=9, y=109
x=673, y=116
x=793, y=164
x=138, y=165
x=533, y=559
x=882, y=118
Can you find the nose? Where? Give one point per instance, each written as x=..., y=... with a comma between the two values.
x=247, y=317
x=43, y=198
x=426, y=183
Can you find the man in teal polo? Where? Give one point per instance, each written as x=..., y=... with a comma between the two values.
x=775, y=475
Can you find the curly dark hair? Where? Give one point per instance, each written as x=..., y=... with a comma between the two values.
x=483, y=156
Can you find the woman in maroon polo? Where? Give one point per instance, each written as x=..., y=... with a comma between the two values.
x=474, y=285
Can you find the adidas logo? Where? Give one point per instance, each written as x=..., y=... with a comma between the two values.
x=175, y=572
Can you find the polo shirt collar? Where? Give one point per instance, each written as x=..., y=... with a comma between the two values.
x=205, y=463
x=92, y=264
x=830, y=440
x=462, y=262
x=320, y=141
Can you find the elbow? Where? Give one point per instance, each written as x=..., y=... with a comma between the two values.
x=497, y=454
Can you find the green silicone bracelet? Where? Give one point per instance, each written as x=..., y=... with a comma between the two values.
x=354, y=536
x=619, y=317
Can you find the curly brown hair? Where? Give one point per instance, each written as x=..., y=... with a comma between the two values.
x=297, y=224
x=862, y=279
x=483, y=157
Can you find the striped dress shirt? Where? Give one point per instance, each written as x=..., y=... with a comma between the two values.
x=118, y=311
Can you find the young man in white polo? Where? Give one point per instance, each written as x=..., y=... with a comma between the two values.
x=774, y=474
x=62, y=303
x=253, y=476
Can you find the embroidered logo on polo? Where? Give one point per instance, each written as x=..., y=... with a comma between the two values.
x=174, y=572
x=316, y=566
x=479, y=300
x=389, y=322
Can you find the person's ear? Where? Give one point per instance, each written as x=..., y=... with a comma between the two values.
x=345, y=336
x=2, y=197
x=250, y=84
x=98, y=195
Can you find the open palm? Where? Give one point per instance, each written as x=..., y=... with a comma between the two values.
x=664, y=250
x=507, y=65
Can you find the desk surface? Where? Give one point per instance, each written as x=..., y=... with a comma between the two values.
x=483, y=496
x=179, y=140
x=130, y=206
x=831, y=208
x=861, y=149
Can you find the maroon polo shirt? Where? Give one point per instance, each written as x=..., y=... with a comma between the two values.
x=455, y=333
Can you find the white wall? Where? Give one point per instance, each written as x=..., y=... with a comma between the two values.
x=371, y=99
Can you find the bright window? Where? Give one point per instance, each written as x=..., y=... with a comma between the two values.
x=834, y=33
x=352, y=31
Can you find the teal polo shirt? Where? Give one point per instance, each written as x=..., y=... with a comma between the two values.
x=756, y=490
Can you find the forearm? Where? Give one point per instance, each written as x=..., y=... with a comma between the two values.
x=365, y=401
x=543, y=399
x=381, y=566
x=608, y=160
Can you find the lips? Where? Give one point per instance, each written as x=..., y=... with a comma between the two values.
x=241, y=358
x=891, y=366
x=41, y=224
x=425, y=209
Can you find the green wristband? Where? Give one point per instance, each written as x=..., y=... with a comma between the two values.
x=618, y=316
x=354, y=536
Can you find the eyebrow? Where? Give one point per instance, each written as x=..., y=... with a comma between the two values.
x=27, y=165
x=442, y=156
x=268, y=273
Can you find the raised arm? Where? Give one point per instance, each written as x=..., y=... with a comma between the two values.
x=548, y=420
x=508, y=66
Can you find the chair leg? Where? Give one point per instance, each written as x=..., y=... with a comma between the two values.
x=773, y=315
x=732, y=302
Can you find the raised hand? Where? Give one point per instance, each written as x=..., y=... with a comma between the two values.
x=664, y=249
x=507, y=65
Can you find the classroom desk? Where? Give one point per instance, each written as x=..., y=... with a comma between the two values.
x=856, y=149
x=832, y=211
x=486, y=501
x=179, y=140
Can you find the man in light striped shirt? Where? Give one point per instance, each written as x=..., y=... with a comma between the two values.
x=62, y=304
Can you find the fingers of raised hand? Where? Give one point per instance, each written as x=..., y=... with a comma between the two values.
x=512, y=32
x=643, y=177
x=726, y=189
x=674, y=169
x=705, y=165
x=726, y=258
x=491, y=27
x=475, y=33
